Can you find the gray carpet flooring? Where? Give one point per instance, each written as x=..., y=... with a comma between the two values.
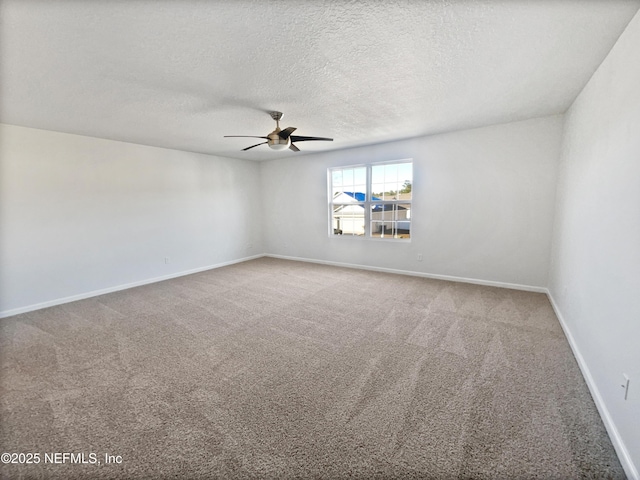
x=282, y=369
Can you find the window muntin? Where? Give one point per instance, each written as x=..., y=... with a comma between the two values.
x=392, y=181
x=391, y=220
x=372, y=200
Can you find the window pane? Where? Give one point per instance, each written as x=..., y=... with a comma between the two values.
x=405, y=171
x=377, y=174
x=405, y=180
x=391, y=174
x=344, y=190
x=392, y=181
x=377, y=191
x=348, y=219
x=347, y=177
x=361, y=191
x=391, y=220
x=347, y=196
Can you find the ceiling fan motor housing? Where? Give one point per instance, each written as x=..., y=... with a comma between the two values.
x=275, y=142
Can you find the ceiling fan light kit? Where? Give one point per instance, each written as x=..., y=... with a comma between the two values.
x=280, y=139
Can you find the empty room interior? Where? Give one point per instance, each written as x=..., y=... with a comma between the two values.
x=320, y=239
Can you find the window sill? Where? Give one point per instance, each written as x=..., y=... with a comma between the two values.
x=372, y=239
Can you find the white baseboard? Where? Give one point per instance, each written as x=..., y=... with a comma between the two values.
x=618, y=444
x=490, y=283
x=95, y=293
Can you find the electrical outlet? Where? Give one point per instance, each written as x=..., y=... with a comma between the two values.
x=167, y=260
x=419, y=257
x=625, y=385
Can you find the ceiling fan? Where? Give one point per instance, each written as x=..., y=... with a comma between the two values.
x=280, y=139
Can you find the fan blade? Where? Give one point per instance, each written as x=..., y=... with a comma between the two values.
x=244, y=136
x=284, y=134
x=248, y=148
x=296, y=138
x=294, y=148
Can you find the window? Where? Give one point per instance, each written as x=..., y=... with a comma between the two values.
x=371, y=200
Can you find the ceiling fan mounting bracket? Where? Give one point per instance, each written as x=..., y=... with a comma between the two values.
x=276, y=115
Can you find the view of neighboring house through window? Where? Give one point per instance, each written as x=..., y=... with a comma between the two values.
x=371, y=200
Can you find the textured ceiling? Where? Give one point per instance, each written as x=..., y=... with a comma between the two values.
x=181, y=74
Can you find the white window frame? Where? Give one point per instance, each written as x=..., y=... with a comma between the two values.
x=368, y=204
